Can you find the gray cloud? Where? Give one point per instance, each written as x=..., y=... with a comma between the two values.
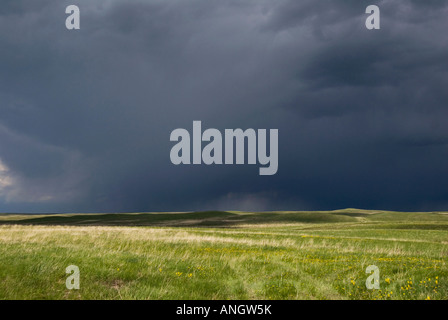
x=85, y=116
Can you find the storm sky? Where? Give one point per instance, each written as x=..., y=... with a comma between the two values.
x=86, y=115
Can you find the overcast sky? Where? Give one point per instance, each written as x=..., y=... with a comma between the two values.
x=86, y=115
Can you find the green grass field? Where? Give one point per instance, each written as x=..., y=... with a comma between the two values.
x=225, y=255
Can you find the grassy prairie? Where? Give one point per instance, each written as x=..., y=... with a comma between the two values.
x=225, y=255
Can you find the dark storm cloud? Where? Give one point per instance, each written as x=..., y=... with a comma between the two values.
x=85, y=116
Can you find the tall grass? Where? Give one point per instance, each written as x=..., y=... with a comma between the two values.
x=277, y=256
